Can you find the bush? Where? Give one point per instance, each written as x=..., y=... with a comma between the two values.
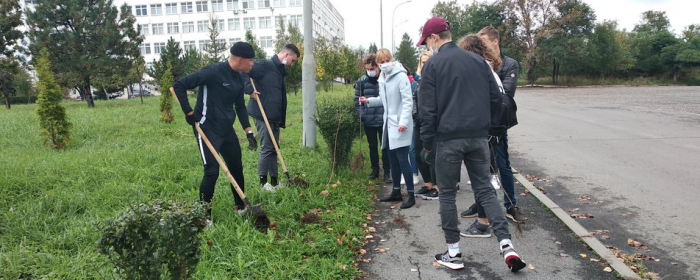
x=156, y=240
x=52, y=116
x=338, y=122
x=166, y=99
x=21, y=99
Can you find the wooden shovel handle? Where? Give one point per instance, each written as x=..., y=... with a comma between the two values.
x=269, y=129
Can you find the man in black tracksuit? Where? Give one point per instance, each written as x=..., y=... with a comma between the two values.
x=268, y=76
x=459, y=102
x=221, y=86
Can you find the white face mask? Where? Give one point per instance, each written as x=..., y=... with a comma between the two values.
x=433, y=51
x=386, y=67
x=284, y=61
x=372, y=73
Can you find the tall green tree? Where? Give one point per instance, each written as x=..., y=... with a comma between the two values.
x=607, y=51
x=54, y=123
x=10, y=20
x=172, y=54
x=135, y=76
x=649, y=37
x=85, y=40
x=291, y=36
x=685, y=54
x=217, y=46
x=193, y=60
x=406, y=53
x=253, y=41
x=452, y=13
x=372, y=48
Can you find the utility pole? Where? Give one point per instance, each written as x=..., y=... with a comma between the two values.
x=308, y=85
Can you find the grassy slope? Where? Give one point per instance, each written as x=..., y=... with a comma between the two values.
x=122, y=154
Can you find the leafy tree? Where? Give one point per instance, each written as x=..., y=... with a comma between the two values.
x=85, y=40
x=406, y=53
x=372, y=48
x=192, y=61
x=217, y=46
x=166, y=99
x=135, y=76
x=649, y=38
x=294, y=77
x=607, y=51
x=172, y=54
x=685, y=54
x=452, y=13
x=54, y=123
x=281, y=37
x=253, y=41
x=10, y=20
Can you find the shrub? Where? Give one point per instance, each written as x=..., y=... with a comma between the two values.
x=166, y=99
x=54, y=123
x=338, y=121
x=155, y=240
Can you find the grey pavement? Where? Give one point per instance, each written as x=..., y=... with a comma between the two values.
x=634, y=151
x=413, y=236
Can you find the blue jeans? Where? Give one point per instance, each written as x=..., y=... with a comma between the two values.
x=501, y=151
x=399, y=164
x=412, y=156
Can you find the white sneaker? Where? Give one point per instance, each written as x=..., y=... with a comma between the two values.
x=495, y=181
x=403, y=181
x=269, y=187
x=469, y=182
x=416, y=178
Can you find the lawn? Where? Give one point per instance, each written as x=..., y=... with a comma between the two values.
x=121, y=154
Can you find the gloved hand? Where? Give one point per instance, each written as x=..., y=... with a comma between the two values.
x=497, y=131
x=427, y=156
x=252, y=143
x=192, y=118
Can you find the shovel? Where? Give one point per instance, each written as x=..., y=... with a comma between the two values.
x=297, y=181
x=260, y=220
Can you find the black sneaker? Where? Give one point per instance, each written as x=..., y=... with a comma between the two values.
x=513, y=260
x=477, y=230
x=433, y=195
x=422, y=191
x=515, y=215
x=455, y=262
x=471, y=212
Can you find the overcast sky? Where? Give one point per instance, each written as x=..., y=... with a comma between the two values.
x=362, y=16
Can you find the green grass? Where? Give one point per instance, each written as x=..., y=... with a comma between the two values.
x=122, y=154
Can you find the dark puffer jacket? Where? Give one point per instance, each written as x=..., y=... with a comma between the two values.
x=372, y=116
x=269, y=80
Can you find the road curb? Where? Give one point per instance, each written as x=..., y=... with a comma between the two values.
x=600, y=249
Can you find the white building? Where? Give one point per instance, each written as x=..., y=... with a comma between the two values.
x=187, y=21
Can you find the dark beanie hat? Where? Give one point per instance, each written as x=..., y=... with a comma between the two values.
x=242, y=49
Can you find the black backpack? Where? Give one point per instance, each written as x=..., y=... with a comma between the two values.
x=508, y=112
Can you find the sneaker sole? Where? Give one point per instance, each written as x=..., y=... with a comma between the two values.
x=469, y=216
x=514, y=262
x=475, y=236
x=430, y=198
x=451, y=265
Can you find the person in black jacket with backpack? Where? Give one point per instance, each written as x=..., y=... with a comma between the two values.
x=268, y=76
x=372, y=117
x=221, y=87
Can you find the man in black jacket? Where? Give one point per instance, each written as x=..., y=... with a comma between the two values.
x=459, y=102
x=509, y=77
x=268, y=76
x=372, y=117
x=221, y=86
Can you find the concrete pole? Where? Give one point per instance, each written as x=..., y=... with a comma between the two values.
x=308, y=85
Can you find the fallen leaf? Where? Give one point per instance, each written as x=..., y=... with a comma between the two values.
x=371, y=229
x=584, y=198
x=329, y=228
x=382, y=250
x=652, y=276
x=595, y=260
x=334, y=186
x=369, y=237
x=563, y=255
x=607, y=269
x=363, y=251
x=392, y=206
x=582, y=216
x=598, y=202
x=626, y=214
x=574, y=210
x=369, y=217
x=343, y=266
x=531, y=267
x=367, y=260
x=583, y=255
x=599, y=231
x=383, y=240
x=542, y=190
x=436, y=265
x=337, y=182
x=324, y=193
x=414, y=270
x=674, y=264
x=557, y=242
x=303, y=174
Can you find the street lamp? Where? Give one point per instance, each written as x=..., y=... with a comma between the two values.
x=392, y=23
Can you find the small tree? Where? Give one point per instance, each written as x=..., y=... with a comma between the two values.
x=259, y=52
x=372, y=48
x=166, y=100
x=338, y=126
x=136, y=75
x=52, y=116
x=215, y=48
x=406, y=53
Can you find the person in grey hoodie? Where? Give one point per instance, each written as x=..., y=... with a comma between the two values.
x=396, y=98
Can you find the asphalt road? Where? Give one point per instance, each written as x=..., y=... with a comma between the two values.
x=628, y=156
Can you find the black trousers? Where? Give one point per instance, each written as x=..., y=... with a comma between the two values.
x=230, y=150
x=374, y=136
x=426, y=170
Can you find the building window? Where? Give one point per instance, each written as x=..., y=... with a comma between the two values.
x=157, y=28
x=294, y=3
x=280, y=18
x=143, y=29
x=248, y=4
x=232, y=5
x=145, y=48
x=171, y=8
x=202, y=6
x=233, y=41
x=156, y=10
x=217, y=5
x=263, y=4
x=186, y=7
x=188, y=27
x=189, y=45
x=297, y=20
x=221, y=25
x=141, y=10
x=204, y=45
x=249, y=23
x=265, y=22
x=158, y=47
x=266, y=41
x=234, y=24
x=173, y=28
x=279, y=3
x=202, y=26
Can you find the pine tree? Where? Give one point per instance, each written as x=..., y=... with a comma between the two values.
x=215, y=48
x=54, y=123
x=259, y=52
x=166, y=99
x=10, y=20
x=406, y=53
x=172, y=54
x=372, y=48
